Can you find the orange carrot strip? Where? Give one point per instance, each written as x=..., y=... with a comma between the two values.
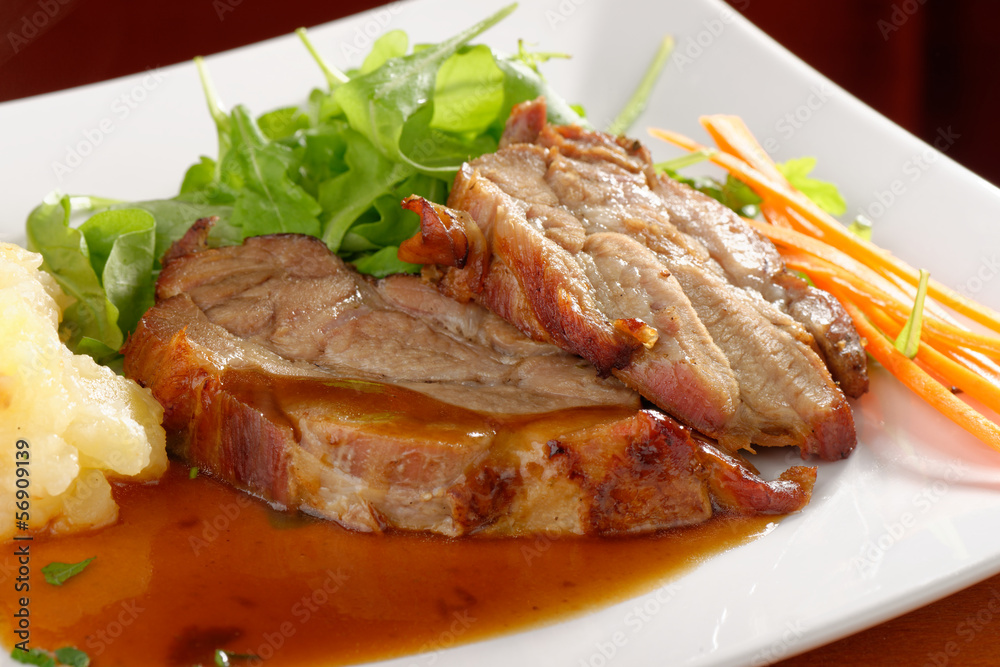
x=733, y=136
x=920, y=382
x=951, y=371
x=935, y=330
x=835, y=233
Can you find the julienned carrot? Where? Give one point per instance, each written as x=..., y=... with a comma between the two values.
x=935, y=331
x=949, y=370
x=799, y=241
x=791, y=238
x=733, y=136
x=921, y=383
x=833, y=232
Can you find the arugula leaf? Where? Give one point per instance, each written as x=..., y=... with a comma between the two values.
x=378, y=103
x=269, y=200
x=522, y=83
x=392, y=44
x=908, y=340
x=468, y=91
x=348, y=195
x=334, y=77
x=122, y=244
x=57, y=573
x=384, y=262
x=65, y=255
x=336, y=168
x=199, y=176
x=175, y=216
x=824, y=194
x=282, y=123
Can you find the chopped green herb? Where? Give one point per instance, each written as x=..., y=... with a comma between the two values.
x=908, y=340
x=72, y=657
x=193, y=472
x=35, y=656
x=226, y=658
x=68, y=655
x=57, y=573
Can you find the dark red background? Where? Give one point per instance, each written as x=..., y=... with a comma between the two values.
x=926, y=64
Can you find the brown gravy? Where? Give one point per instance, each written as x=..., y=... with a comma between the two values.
x=193, y=566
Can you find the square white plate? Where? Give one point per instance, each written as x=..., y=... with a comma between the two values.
x=906, y=520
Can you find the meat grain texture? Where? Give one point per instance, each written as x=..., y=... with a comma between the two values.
x=571, y=235
x=389, y=405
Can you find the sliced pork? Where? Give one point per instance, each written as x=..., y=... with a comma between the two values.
x=386, y=405
x=571, y=236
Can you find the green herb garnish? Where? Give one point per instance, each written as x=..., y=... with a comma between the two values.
x=68, y=655
x=824, y=194
x=908, y=340
x=57, y=573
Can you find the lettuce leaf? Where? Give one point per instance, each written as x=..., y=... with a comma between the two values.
x=335, y=167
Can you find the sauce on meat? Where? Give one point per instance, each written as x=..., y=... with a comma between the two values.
x=193, y=565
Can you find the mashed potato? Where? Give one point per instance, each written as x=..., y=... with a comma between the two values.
x=82, y=423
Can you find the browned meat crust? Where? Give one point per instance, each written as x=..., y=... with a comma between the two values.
x=334, y=437
x=577, y=242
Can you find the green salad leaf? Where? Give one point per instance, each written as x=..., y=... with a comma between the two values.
x=92, y=320
x=336, y=167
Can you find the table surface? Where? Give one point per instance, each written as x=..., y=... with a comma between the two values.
x=963, y=629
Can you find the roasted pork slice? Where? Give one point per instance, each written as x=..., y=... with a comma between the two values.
x=262, y=356
x=567, y=239
x=746, y=259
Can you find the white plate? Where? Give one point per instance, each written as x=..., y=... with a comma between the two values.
x=899, y=524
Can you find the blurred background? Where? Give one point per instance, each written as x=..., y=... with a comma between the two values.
x=928, y=65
